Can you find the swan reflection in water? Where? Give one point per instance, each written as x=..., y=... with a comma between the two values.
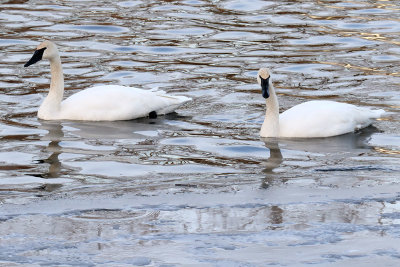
x=54, y=134
x=274, y=161
x=337, y=146
x=140, y=130
x=80, y=131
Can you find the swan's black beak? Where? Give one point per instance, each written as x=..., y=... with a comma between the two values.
x=265, y=87
x=37, y=56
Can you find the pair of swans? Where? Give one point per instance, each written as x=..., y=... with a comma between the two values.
x=114, y=102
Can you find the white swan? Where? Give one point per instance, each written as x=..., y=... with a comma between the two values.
x=100, y=103
x=310, y=119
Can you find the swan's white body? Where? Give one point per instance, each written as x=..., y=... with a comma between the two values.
x=111, y=103
x=100, y=103
x=313, y=119
x=324, y=118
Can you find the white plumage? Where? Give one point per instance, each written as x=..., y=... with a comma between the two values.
x=100, y=103
x=311, y=119
x=114, y=102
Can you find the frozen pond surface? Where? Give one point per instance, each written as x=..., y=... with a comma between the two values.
x=200, y=187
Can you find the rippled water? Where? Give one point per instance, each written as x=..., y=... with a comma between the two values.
x=200, y=186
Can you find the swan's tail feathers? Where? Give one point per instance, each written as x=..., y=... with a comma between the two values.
x=174, y=103
x=158, y=91
x=183, y=99
x=369, y=116
x=179, y=99
x=377, y=113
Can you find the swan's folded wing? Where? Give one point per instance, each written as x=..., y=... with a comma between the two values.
x=117, y=103
x=324, y=119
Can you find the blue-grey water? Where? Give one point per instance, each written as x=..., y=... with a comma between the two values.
x=200, y=187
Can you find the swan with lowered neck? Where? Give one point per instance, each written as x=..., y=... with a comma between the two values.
x=100, y=103
x=312, y=119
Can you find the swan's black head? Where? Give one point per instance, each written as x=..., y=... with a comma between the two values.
x=37, y=56
x=264, y=86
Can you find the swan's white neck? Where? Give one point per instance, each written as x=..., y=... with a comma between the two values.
x=270, y=127
x=52, y=103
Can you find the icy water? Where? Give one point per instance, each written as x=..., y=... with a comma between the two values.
x=200, y=187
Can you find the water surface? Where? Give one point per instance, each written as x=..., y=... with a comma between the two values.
x=199, y=186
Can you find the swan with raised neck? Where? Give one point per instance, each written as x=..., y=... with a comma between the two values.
x=270, y=127
x=100, y=103
x=52, y=103
x=312, y=119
